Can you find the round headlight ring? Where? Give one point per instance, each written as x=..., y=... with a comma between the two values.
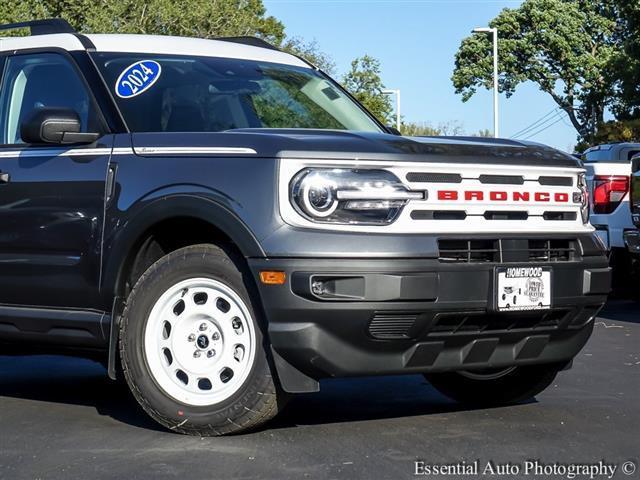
x=318, y=196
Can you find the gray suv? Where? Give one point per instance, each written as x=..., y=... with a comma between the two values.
x=222, y=225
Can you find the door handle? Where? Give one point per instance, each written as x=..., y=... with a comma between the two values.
x=4, y=177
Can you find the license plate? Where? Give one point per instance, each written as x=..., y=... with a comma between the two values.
x=523, y=288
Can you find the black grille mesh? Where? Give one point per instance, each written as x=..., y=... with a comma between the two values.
x=486, y=251
x=392, y=326
x=466, y=323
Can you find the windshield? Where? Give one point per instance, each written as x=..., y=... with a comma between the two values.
x=167, y=93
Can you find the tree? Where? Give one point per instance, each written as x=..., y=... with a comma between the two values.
x=419, y=129
x=485, y=133
x=191, y=18
x=311, y=52
x=627, y=62
x=564, y=46
x=195, y=18
x=364, y=83
x=425, y=129
x=452, y=128
x=615, y=131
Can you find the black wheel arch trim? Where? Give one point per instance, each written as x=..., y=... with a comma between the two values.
x=165, y=208
x=160, y=209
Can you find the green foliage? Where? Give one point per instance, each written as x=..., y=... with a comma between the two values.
x=423, y=129
x=617, y=131
x=486, y=133
x=627, y=62
x=191, y=18
x=418, y=129
x=194, y=18
x=363, y=81
x=565, y=46
x=311, y=52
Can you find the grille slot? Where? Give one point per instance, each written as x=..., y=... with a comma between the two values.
x=486, y=251
x=438, y=215
x=467, y=323
x=503, y=215
x=468, y=251
x=502, y=179
x=434, y=177
x=552, y=250
x=392, y=326
x=556, y=181
x=560, y=216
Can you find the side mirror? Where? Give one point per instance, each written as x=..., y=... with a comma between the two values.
x=54, y=125
x=393, y=131
x=635, y=164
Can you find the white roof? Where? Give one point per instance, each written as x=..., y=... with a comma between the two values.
x=152, y=44
x=65, y=41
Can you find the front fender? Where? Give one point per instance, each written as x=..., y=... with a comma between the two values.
x=141, y=217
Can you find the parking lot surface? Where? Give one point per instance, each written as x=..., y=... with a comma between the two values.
x=62, y=418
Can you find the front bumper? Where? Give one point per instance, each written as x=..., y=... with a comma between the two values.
x=392, y=316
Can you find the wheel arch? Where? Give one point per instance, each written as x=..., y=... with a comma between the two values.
x=220, y=225
x=138, y=226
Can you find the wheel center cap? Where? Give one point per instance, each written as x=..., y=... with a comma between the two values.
x=202, y=341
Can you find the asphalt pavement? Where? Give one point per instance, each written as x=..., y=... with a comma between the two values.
x=61, y=418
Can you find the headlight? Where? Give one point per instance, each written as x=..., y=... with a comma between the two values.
x=349, y=196
x=582, y=198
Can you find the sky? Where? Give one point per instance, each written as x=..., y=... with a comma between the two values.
x=416, y=41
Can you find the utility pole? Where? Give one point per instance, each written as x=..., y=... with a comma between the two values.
x=494, y=33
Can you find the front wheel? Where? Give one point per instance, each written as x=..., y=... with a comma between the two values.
x=192, y=348
x=490, y=387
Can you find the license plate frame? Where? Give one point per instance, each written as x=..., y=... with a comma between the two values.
x=521, y=288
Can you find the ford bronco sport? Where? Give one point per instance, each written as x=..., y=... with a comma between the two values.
x=224, y=222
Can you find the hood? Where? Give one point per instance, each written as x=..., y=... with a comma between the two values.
x=345, y=145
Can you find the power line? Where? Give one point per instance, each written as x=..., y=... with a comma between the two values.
x=546, y=128
x=547, y=122
x=536, y=124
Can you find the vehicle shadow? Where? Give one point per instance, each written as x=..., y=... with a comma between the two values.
x=367, y=398
x=622, y=311
x=72, y=381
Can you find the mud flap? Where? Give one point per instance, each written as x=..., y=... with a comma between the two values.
x=291, y=379
x=116, y=313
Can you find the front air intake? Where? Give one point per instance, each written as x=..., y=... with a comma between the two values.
x=392, y=326
x=506, y=251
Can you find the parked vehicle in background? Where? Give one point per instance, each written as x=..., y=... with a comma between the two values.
x=608, y=172
x=632, y=237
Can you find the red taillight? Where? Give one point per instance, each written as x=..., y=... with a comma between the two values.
x=608, y=192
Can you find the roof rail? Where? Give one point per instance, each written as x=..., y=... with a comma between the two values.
x=252, y=41
x=42, y=27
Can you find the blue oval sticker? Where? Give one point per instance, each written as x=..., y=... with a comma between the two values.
x=137, y=78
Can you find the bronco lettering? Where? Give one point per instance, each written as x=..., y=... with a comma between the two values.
x=501, y=196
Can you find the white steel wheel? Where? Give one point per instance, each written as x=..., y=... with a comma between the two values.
x=200, y=341
x=193, y=347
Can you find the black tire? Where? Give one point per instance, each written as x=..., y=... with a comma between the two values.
x=494, y=388
x=256, y=401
